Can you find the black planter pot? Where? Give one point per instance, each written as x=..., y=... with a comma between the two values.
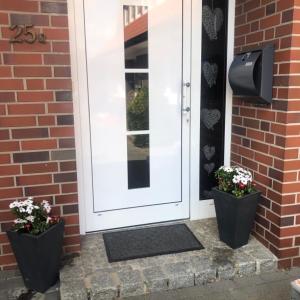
x=235, y=216
x=39, y=256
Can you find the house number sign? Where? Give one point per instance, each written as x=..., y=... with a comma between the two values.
x=26, y=34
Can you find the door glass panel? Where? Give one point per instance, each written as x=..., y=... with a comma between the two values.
x=135, y=36
x=137, y=101
x=138, y=161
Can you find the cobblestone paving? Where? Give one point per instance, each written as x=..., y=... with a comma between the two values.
x=91, y=275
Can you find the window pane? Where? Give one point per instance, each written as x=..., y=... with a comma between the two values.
x=135, y=37
x=138, y=161
x=137, y=101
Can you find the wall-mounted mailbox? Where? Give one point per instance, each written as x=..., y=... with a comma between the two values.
x=251, y=74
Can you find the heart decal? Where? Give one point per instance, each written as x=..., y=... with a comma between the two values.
x=210, y=72
x=209, y=167
x=210, y=117
x=209, y=151
x=212, y=21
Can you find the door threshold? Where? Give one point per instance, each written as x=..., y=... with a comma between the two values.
x=139, y=226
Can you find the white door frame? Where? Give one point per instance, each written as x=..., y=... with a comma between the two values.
x=190, y=168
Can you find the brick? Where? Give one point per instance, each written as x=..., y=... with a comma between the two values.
x=5, y=71
x=9, y=170
x=60, y=108
x=259, y=146
x=46, y=120
x=4, y=134
x=63, y=155
x=4, y=159
x=24, y=109
x=19, y=5
x=56, y=34
x=9, y=146
x=37, y=47
x=37, y=20
x=34, y=179
x=11, y=84
x=42, y=190
x=54, y=7
x=66, y=143
x=29, y=133
x=9, y=258
x=284, y=4
x=71, y=230
x=70, y=209
x=284, y=263
x=239, y=130
x=31, y=156
x=59, y=21
x=69, y=188
x=65, y=177
x=58, y=84
x=17, y=121
x=6, y=97
x=63, y=95
x=22, y=59
x=39, y=168
x=71, y=219
x=36, y=71
x=62, y=71
x=255, y=134
x=3, y=18
x=62, y=132
x=57, y=59
x=251, y=123
x=270, y=21
x=35, y=84
x=270, y=9
x=7, y=194
x=38, y=144
x=67, y=166
x=63, y=199
x=7, y=182
x=40, y=96
x=61, y=46
x=65, y=120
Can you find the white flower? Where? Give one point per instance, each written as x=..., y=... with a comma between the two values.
x=30, y=218
x=21, y=209
x=46, y=206
x=20, y=221
x=14, y=204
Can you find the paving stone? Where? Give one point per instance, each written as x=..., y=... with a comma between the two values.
x=131, y=283
x=73, y=290
x=102, y=285
x=155, y=279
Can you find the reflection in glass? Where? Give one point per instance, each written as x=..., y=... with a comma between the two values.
x=138, y=161
x=135, y=36
x=137, y=101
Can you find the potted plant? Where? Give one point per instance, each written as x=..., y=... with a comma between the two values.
x=36, y=239
x=235, y=202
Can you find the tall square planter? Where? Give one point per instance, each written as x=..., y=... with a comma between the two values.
x=235, y=216
x=39, y=256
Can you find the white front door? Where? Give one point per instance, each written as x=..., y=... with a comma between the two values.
x=138, y=126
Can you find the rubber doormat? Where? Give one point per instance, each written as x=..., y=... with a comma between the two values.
x=149, y=241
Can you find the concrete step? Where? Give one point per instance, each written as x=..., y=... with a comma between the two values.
x=91, y=276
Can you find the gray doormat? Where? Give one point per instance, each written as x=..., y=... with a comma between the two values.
x=149, y=241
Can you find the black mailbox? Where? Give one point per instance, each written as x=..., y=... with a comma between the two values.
x=251, y=74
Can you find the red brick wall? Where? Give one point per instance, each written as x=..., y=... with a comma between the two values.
x=266, y=139
x=37, y=152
